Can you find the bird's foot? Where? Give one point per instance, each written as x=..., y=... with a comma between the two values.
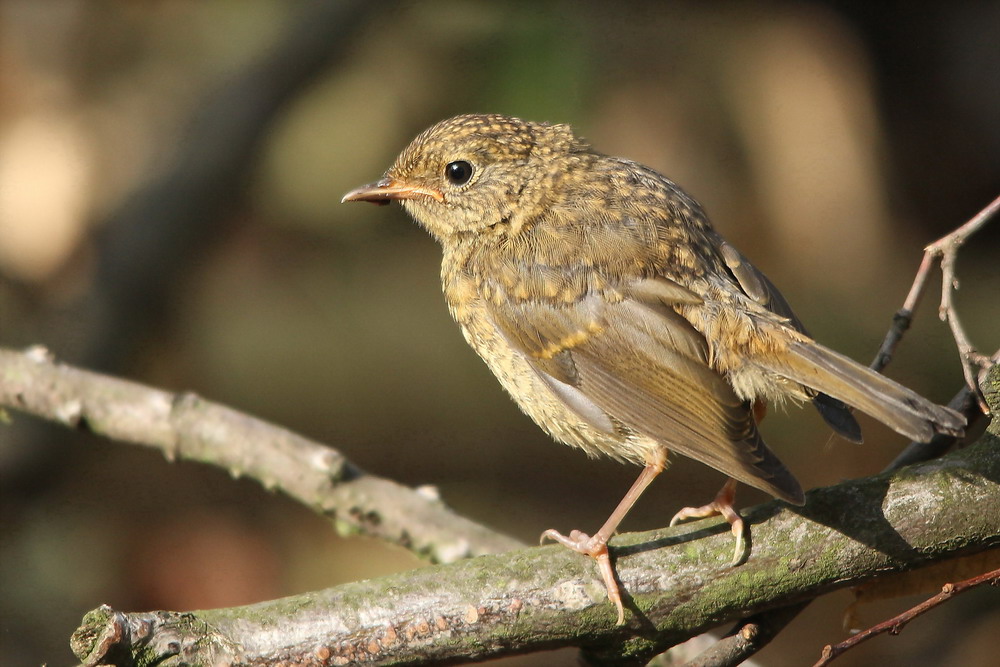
x=596, y=548
x=721, y=505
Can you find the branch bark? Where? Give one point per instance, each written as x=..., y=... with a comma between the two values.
x=185, y=426
x=678, y=581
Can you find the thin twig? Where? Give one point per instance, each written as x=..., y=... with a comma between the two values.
x=969, y=401
x=945, y=249
x=896, y=624
x=146, y=247
x=903, y=318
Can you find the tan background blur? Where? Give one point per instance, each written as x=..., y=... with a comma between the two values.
x=829, y=141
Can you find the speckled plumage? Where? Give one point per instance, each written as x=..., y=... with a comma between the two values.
x=598, y=293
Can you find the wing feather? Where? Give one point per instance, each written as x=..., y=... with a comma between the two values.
x=636, y=362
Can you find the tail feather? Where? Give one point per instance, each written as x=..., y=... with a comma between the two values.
x=823, y=370
x=838, y=416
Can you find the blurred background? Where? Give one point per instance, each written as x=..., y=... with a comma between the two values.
x=170, y=178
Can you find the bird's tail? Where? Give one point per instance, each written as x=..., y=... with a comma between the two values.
x=826, y=371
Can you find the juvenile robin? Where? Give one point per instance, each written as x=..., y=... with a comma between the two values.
x=598, y=293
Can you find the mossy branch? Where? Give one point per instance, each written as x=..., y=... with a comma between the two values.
x=678, y=581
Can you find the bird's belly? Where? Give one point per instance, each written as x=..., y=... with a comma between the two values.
x=543, y=405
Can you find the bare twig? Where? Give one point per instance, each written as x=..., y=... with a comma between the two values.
x=972, y=360
x=903, y=318
x=945, y=248
x=968, y=401
x=747, y=637
x=188, y=427
x=896, y=624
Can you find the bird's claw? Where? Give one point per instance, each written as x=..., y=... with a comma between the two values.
x=722, y=505
x=578, y=540
x=598, y=550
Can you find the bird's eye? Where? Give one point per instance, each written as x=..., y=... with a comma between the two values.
x=458, y=172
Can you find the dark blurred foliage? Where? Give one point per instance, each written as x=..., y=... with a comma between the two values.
x=829, y=141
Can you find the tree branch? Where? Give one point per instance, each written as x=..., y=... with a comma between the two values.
x=678, y=581
x=185, y=426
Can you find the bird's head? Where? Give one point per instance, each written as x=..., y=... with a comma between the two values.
x=472, y=172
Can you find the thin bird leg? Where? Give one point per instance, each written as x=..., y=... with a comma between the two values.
x=721, y=504
x=597, y=546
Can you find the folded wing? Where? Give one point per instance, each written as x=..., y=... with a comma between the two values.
x=634, y=362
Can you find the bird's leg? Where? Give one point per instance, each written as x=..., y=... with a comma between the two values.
x=721, y=504
x=597, y=546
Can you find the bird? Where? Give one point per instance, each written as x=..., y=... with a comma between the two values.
x=618, y=319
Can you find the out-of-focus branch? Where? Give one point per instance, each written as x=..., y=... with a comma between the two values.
x=148, y=244
x=187, y=427
x=146, y=248
x=679, y=583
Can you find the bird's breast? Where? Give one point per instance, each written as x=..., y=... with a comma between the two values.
x=526, y=386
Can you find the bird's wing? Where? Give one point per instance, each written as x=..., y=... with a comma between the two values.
x=633, y=360
x=758, y=287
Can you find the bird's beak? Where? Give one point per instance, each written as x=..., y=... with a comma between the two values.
x=386, y=190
